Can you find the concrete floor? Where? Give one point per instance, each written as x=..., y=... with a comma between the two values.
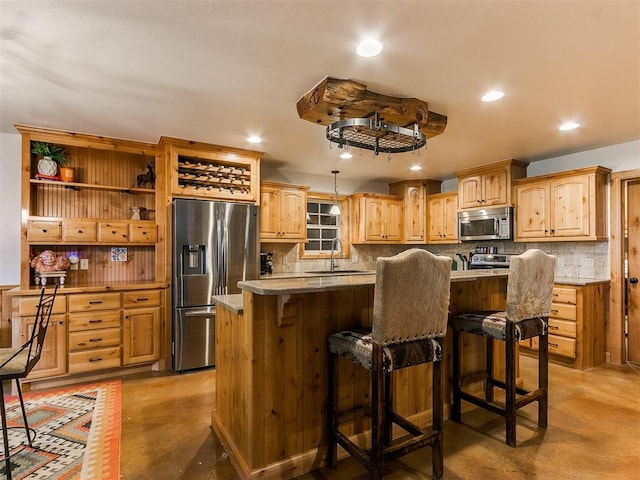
x=593, y=433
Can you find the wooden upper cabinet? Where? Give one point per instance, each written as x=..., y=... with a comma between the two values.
x=489, y=185
x=442, y=210
x=283, y=212
x=376, y=218
x=568, y=206
x=532, y=199
x=414, y=194
x=202, y=170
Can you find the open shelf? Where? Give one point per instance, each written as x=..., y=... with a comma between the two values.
x=78, y=186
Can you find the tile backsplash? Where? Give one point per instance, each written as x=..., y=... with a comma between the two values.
x=573, y=259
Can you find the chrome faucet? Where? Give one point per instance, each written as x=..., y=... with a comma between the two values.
x=336, y=241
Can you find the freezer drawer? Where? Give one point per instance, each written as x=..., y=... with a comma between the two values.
x=194, y=338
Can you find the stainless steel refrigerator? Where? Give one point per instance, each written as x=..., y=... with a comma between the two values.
x=215, y=245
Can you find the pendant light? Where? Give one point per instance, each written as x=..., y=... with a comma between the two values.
x=335, y=208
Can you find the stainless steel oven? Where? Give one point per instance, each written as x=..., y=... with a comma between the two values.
x=486, y=224
x=490, y=260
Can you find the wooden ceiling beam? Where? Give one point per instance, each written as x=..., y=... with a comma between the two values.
x=335, y=99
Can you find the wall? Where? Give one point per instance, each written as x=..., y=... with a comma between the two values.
x=10, y=163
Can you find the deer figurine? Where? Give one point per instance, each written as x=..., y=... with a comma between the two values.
x=148, y=177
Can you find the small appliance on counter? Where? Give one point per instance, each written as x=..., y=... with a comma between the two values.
x=490, y=260
x=266, y=263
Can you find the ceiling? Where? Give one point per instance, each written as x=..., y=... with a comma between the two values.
x=218, y=71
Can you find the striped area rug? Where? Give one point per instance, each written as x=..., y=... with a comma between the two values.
x=77, y=434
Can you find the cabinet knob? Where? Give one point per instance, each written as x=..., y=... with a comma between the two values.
x=633, y=280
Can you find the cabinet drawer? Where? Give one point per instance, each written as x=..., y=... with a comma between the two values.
x=98, y=359
x=99, y=319
x=562, y=346
x=141, y=298
x=558, y=345
x=563, y=310
x=79, y=231
x=564, y=328
x=113, y=232
x=564, y=295
x=29, y=305
x=44, y=231
x=94, y=301
x=106, y=337
x=142, y=233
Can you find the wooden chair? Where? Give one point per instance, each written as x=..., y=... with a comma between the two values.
x=410, y=310
x=16, y=363
x=529, y=295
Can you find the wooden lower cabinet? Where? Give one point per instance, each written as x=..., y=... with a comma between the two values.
x=94, y=359
x=93, y=332
x=53, y=359
x=141, y=335
x=577, y=325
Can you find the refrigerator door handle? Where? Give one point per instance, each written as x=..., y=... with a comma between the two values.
x=199, y=313
x=222, y=246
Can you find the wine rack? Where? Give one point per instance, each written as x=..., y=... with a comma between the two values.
x=212, y=176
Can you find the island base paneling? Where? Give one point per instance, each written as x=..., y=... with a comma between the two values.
x=271, y=380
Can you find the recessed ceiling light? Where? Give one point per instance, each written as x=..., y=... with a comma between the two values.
x=492, y=96
x=346, y=155
x=415, y=168
x=569, y=126
x=369, y=47
x=254, y=139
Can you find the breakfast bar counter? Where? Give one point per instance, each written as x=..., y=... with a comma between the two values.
x=271, y=363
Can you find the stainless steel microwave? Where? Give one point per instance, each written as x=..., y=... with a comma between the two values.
x=486, y=224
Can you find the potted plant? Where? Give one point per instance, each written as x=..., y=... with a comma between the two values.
x=52, y=157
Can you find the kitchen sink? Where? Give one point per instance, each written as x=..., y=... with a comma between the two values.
x=339, y=272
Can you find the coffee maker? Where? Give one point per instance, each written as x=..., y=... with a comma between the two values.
x=266, y=263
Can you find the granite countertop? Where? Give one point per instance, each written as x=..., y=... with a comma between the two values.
x=324, y=283
x=231, y=302
x=271, y=276
x=88, y=288
x=580, y=281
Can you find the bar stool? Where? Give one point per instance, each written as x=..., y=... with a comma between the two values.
x=529, y=295
x=410, y=310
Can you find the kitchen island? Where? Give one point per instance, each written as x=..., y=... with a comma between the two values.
x=271, y=380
